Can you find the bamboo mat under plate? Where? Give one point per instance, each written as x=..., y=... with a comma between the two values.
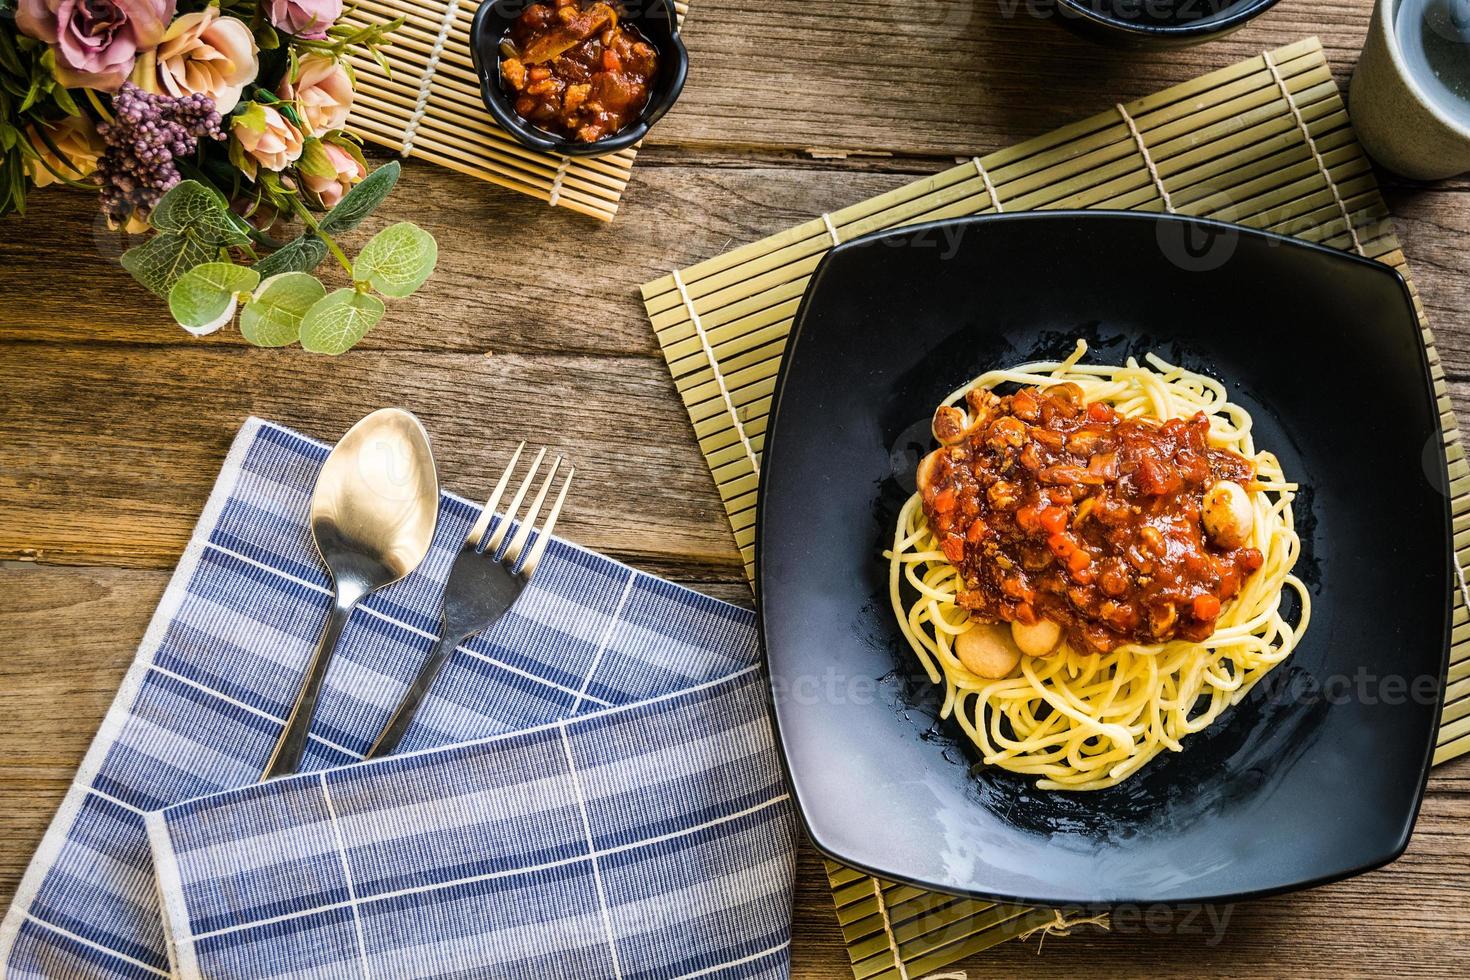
x=430, y=108
x=1265, y=142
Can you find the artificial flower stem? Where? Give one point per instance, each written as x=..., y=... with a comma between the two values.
x=311, y=223
x=263, y=240
x=97, y=104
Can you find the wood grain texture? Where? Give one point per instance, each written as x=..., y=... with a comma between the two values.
x=113, y=423
x=943, y=77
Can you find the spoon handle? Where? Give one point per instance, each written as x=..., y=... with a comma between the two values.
x=291, y=744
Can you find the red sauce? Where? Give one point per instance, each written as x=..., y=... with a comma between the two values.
x=1053, y=508
x=574, y=70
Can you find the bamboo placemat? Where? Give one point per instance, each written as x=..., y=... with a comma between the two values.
x=429, y=107
x=1265, y=143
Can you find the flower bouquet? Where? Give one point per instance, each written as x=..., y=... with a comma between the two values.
x=212, y=128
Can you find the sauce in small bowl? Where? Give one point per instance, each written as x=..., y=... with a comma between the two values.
x=578, y=77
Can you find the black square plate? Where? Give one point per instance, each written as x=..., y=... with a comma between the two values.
x=1318, y=774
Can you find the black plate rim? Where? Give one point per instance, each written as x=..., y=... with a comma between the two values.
x=772, y=441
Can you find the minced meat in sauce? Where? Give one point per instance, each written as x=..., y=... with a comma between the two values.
x=1059, y=509
x=572, y=69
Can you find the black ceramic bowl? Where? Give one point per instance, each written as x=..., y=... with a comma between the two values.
x=655, y=19
x=1319, y=771
x=1158, y=23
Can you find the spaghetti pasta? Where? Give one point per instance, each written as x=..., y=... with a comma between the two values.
x=1084, y=719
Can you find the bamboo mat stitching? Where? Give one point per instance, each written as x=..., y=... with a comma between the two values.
x=888, y=929
x=989, y=187
x=1460, y=574
x=714, y=363
x=426, y=85
x=1148, y=160
x=831, y=229
x=561, y=173
x=1316, y=153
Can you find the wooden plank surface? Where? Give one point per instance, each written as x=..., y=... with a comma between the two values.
x=113, y=422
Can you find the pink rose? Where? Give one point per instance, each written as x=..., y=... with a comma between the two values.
x=267, y=137
x=329, y=190
x=95, y=41
x=201, y=52
x=322, y=93
x=305, y=18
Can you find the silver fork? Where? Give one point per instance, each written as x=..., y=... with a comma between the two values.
x=485, y=581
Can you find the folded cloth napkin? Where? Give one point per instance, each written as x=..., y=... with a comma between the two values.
x=591, y=790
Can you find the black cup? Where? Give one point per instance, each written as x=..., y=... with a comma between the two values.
x=655, y=20
x=1157, y=23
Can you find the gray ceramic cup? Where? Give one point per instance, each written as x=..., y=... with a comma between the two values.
x=1396, y=121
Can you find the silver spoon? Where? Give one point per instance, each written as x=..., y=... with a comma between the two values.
x=372, y=515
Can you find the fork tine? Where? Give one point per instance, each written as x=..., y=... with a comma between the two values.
x=498, y=535
x=483, y=524
x=544, y=535
x=513, y=550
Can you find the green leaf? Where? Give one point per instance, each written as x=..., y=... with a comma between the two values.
x=289, y=111
x=338, y=320
x=298, y=255
x=362, y=200
x=241, y=160
x=250, y=115
x=382, y=61
x=160, y=261
x=32, y=93
x=191, y=209
x=65, y=101
x=272, y=318
x=397, y=260
x=314, y=160
x=204, y=298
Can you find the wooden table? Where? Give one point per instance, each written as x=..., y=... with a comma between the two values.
x=114, y=422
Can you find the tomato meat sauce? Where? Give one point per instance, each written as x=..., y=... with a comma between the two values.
x=572, y=69
x=1054, y=508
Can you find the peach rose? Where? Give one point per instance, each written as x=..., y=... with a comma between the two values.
x=201, y=52
x=80, y=146
x=329, y=190
x=322, y=93
x=267, y=137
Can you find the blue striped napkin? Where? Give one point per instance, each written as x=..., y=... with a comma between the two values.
x=592, y=789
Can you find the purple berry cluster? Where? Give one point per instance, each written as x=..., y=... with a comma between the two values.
x=148, y=133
